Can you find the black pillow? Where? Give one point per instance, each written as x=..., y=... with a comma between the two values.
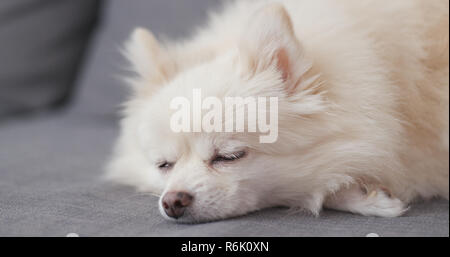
x=41, y=45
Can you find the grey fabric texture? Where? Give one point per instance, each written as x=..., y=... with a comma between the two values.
x=41, y=44
x=51, y=166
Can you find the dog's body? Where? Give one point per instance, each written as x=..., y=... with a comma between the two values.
x=363, y=91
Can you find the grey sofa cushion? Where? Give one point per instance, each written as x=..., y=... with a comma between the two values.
x=41, y=44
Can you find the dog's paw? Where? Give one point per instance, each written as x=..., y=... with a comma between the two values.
x=379, y=202
x=376, y=201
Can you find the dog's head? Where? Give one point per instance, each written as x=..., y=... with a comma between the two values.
x=204, y=176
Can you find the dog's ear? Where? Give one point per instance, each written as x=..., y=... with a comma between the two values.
x=147, y=58
x=269, y=41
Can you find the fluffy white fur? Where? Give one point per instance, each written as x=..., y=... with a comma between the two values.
x=363, y=91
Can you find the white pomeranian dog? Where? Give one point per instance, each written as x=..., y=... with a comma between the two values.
x=362, y=116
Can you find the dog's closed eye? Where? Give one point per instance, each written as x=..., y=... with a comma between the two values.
x=220, y=158
x=165, y=165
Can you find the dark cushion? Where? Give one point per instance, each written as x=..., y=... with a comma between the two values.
x=41, y=44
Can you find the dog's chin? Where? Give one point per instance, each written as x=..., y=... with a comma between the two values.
x=185, y=219
x=191, y=217
x=188, y=217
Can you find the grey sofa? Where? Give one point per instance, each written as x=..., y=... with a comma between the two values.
x=51, y=162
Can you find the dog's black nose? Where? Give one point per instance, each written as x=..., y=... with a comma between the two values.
x=174, y=203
